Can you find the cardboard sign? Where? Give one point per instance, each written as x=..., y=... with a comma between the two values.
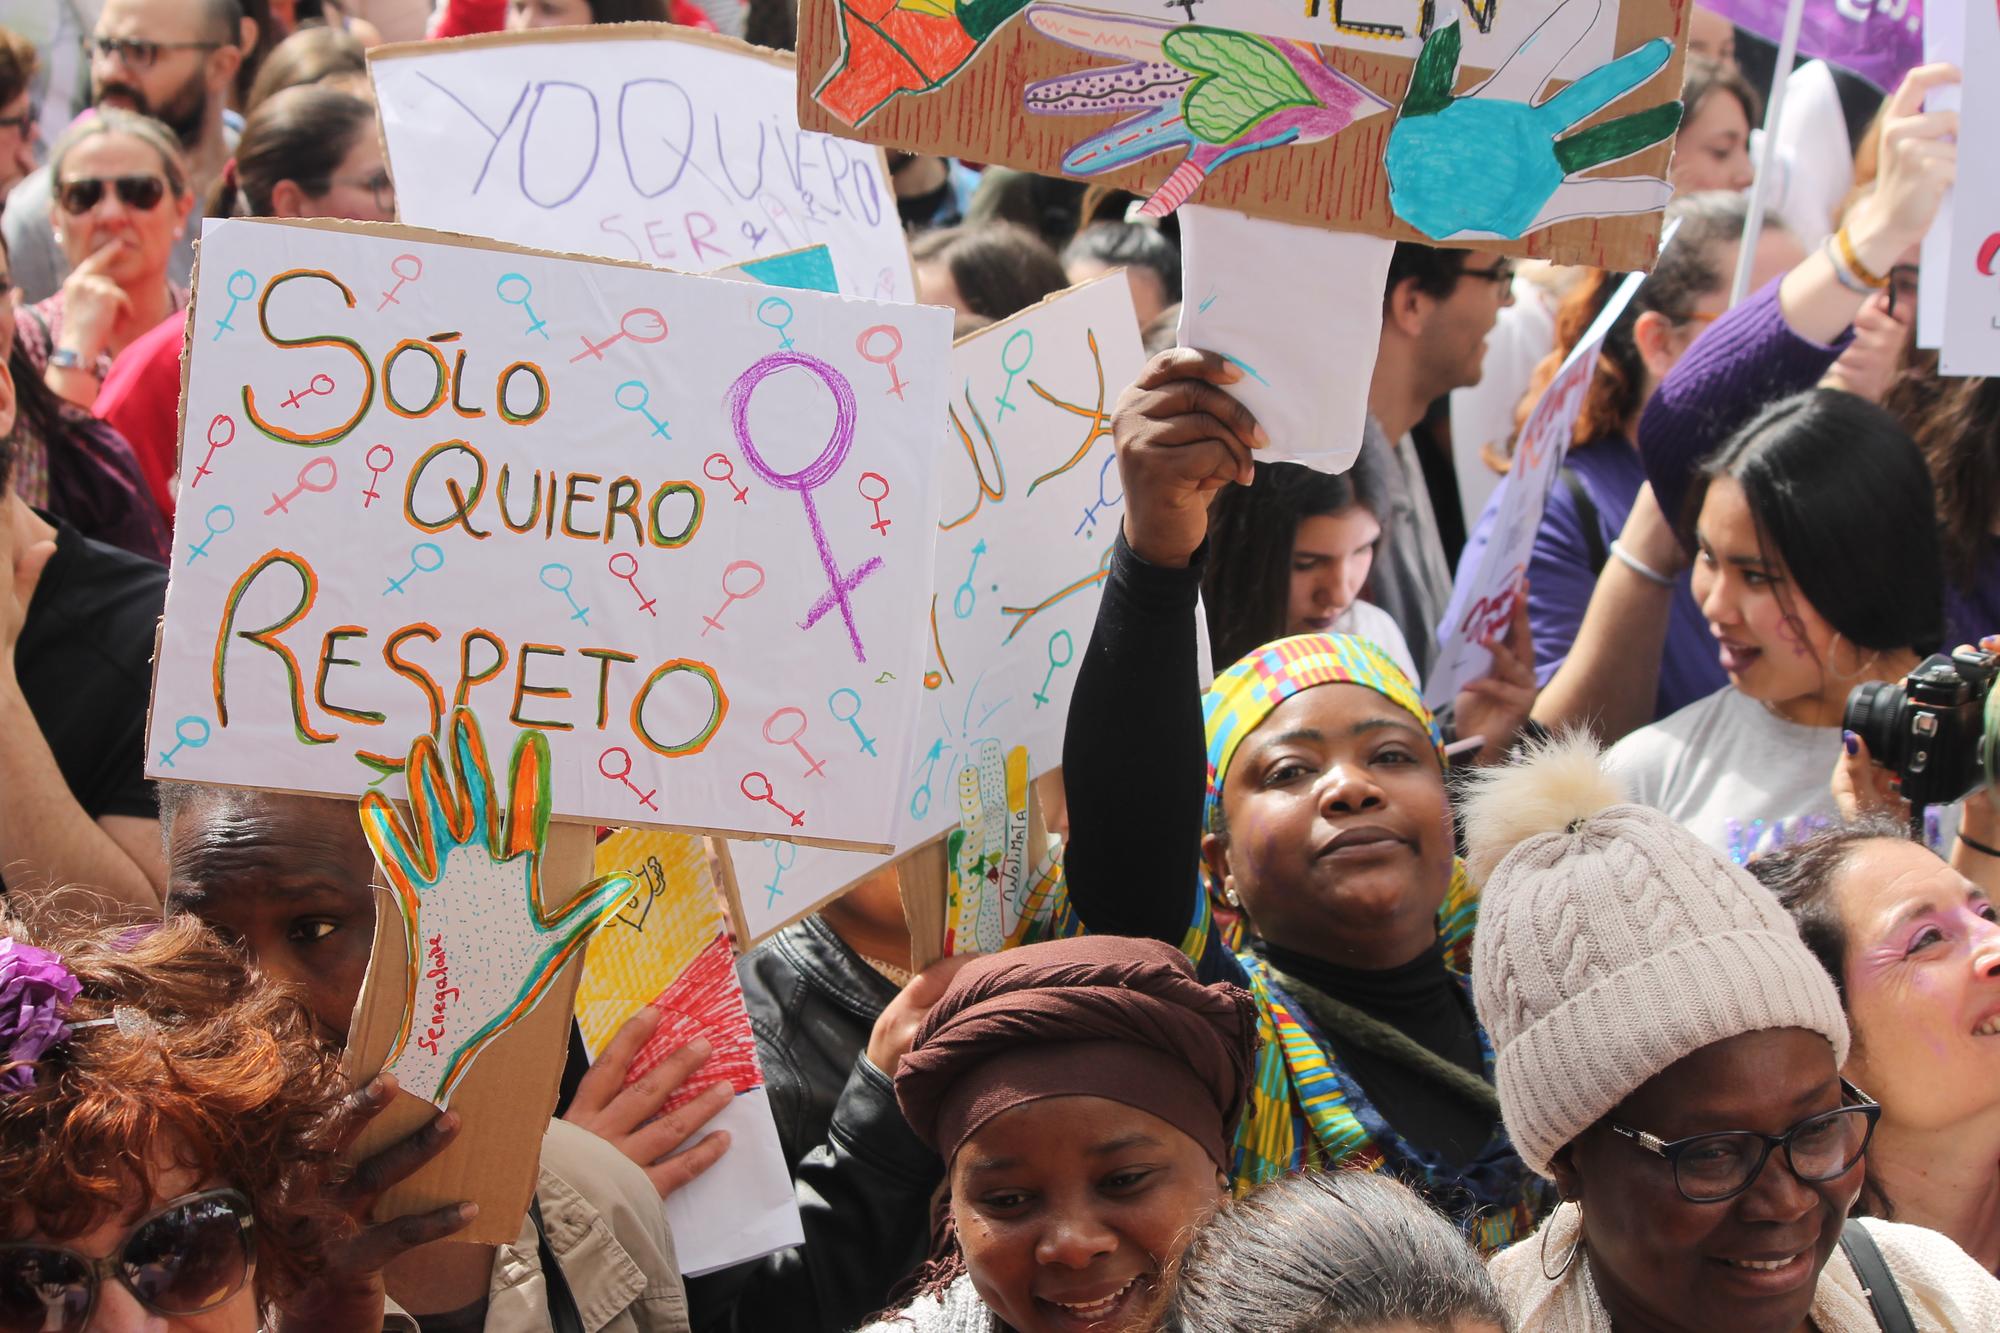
x=1489, y=578
x=1528, y=126
x=1031, y=506
x=1243, y=279
x=637, y=141
x=1944, y=42
x=505, y=1097
x=1972, y=307
x=663, y=520
x=665, y=946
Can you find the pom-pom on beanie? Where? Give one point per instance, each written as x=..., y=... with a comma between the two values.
x=1612, y=943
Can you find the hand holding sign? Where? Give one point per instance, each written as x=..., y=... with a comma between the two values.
x=483, y=947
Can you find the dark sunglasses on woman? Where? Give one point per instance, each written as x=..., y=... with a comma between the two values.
x=187, y=1258
x=81, y=195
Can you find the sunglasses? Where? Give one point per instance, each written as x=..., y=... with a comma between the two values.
x=191, y=1256
x=23, y=122
x=144, y=55
x=84, y=193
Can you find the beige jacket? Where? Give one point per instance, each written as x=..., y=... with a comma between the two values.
x=609, y=1233
x=1944, y=1289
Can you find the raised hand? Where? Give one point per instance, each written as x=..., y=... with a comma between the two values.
x=1493, y=164
x=483, y=942
x=1180, y=436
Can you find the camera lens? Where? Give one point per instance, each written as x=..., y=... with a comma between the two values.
x=1872, y=713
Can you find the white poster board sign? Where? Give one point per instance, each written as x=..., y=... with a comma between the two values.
x=634, y=141
x=1489, y=579
x=644, y=513
x=1972, y=311
x=1030, y=508
x=1244, y=281
x=1944, y=42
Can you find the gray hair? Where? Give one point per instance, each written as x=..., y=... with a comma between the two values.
x=1325, y=1253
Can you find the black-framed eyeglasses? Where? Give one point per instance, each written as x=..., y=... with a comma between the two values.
x=84, y=193
x=24, y=122
x=1713, y=1168
x=1501, y=273
x=379, y=184
x=1903, y=287
x=188, y=1257
x=144, y=55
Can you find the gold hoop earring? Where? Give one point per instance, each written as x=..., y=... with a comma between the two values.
x=1574, y=1250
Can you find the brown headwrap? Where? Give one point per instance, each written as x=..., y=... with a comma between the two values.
x=1098, y=1016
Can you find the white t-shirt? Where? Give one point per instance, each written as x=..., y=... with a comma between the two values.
x=1366, y=620
x=1741, y=778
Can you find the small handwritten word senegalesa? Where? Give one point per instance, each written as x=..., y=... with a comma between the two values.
x=440, y=977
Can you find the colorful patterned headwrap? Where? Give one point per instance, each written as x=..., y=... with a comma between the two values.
x=1243, y=696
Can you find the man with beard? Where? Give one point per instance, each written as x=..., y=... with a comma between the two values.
x=169, y=59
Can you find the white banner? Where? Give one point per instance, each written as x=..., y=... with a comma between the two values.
x=663, y=519
x=1030, y=507
x=1489, y=578
x=633, y=141
x=1972, y=308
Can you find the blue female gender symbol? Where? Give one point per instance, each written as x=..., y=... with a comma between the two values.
x=236, y=298
x=813, y=475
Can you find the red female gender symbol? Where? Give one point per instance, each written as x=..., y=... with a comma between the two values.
x=808, y=478
x=875, y=498
x=795, y=740
x=887, y=358
x=625, y=330
x=371, y=495
x=224, y=424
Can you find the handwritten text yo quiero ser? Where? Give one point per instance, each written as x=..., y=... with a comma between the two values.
x=661, y=519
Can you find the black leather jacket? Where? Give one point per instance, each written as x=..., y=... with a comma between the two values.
x=864, y=1181
x=812, y=1004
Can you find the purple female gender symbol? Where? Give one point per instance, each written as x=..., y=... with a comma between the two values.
x=814, y=474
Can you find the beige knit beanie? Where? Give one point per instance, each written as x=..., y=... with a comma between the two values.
x=1612, y=942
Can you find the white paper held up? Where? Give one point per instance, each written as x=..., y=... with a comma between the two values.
x=1299, y=311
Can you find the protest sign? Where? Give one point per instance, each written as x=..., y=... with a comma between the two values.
x=662, y=519
x=1489, y=579
x=1031, y=506
x=1881, y=40
x=1944, y=41
x=1246, y=283
x=467, y=995
x=1971, y=344
x=634, y=141
x=1559, y=151
x=665, y=946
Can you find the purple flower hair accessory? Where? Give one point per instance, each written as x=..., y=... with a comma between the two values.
x=36, y=991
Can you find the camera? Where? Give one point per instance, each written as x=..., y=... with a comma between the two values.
x=1937, y=730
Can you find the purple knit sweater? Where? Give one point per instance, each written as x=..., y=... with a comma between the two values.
x=1746, y=359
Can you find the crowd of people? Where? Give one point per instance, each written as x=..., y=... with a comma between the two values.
x=1629, y=991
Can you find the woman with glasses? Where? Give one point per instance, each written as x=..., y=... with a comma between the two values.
x=306, y=152
x=121, y=200
x=1669, y=1054
x=1914, y=948
x=162, y=1119
x=1600, y=479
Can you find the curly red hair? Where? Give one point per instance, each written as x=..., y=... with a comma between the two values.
x=228, y=1081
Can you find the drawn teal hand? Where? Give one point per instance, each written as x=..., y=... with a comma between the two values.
x=1487, y=164
x=482, y=946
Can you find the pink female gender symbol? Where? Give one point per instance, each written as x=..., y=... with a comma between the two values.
x=813, y=766
x=770, y=797
x=319, y=384
x=731, y=595
x=727, y=476
x=625, y=330
x=808, y=478
x=225, y=424
x=631, y=575
x=371, y=495
x=886, y=359
x=283, y=503
x=880, y=524
x=396, y=266
x=605, y=763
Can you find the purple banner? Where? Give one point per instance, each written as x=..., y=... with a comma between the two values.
x=1881, y=40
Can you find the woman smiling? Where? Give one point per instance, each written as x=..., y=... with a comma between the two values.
x=1915, y=949
x=1083, y=1094
x=1670, y=1055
